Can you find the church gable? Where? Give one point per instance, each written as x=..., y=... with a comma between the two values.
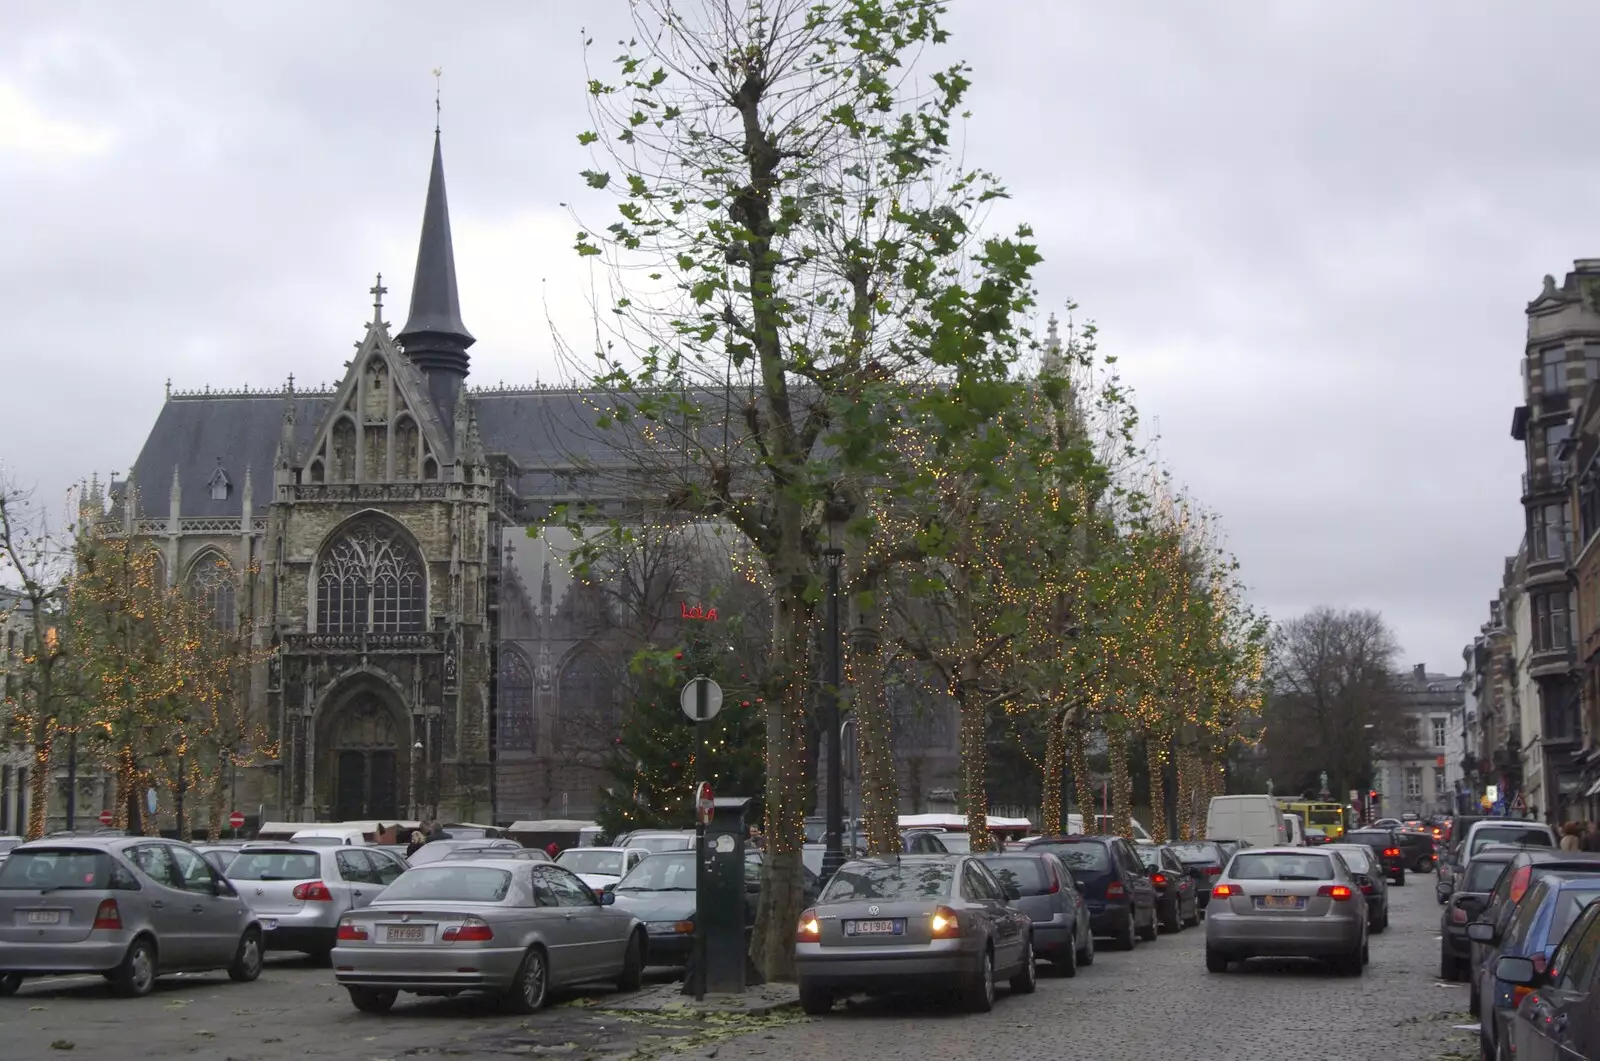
x=381, y=426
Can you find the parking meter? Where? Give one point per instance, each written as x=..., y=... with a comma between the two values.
x=721, y=896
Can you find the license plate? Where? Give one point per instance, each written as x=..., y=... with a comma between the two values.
x=44, y=917
x=269, y=923
x=405, y=934
x=1280, y=902
x=873, y=928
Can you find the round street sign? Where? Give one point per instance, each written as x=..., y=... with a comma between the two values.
x=236, y=820
x=106, y=817
x=701, y=699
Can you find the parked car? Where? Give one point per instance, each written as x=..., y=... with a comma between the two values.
x=1466, y=906
x=130, y=908
x=654, y=840
x=1176, y=903
x=1558, y=1018
x=1112, y=879
x=437, y=850
x=1368, y=873
x=1248, y=817
x=512, y=929
x=1385, y=843
x=1526, y=866
x=1204, y=859
x=7, y=843
x=1291, y=901
x=601, y=867
x=497, y=854
x=1508, y=831
x=660, y=891
x=1229, y=846
x=1543, y=916
x=299, y=893
x=913, y=923
x=218, y=856
x=1049, y=896
x=923, y=842
x=1416, y=849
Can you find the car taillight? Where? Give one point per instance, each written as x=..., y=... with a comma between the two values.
x=108, y=916
x=945, y=924
x=1391, y=852
x=313, y=891
x=1223, y=891
x=808, y=931
x=1368, y=888
x=1055, y=882
x=1158, y=879
x=1337, y=892
x=1213, y=871
x=472, y=930
x=1519, y=882
x=1115, y=890
x=350, y=930
x=1458, y=916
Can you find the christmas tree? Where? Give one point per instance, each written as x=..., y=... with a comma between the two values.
x=653, y=769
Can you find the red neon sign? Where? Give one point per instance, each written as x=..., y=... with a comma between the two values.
x=696, y=612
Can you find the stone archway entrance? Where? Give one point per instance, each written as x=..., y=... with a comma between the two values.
x=365, y=757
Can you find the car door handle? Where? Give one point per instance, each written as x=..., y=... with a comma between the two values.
x=157, y=904
x=571, y=916
x=197, y=908
x=358, y=891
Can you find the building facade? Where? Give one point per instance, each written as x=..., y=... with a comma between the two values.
x=424, y=654
x=1413, y=774
x=16, y=757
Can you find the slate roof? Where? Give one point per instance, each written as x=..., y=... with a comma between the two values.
x=435, y=301
x=192, y=432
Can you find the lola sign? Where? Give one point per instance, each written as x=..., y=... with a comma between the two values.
x=697, y=612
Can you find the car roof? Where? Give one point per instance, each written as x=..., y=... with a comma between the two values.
x=607, y=847
x=1074, y=838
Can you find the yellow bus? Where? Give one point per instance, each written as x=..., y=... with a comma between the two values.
x=1329, y=817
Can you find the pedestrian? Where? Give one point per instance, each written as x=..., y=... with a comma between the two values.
x=437, y=832
x=1569, y=837
x=552, y=849
x=1591, y=839
x=417, y=841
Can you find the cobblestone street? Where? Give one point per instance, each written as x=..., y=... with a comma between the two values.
x=1156, y=1001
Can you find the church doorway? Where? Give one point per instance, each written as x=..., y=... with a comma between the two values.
x=365, y=744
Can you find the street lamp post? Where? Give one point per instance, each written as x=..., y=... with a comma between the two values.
x=833, y=820
x=416, y=804
x=855, y=782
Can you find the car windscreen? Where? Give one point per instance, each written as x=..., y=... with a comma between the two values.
x=1483, y=874
x=1569, y=904
x=581, y=860
x=1267, y=866
x=58, y=869
x=1196, y=852
x=671, y=872
x=443, y=882
x=895, y=881
x=1087, y=856
x=1509, y=834
x=1359, y=859
x=1148, y=855
x=275, y=865
x=657, y=843
x=1370, y=838
x=957, y=843
x=1028, y=875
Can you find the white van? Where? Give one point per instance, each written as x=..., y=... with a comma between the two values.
x=1253, y=818
x=329, y=836
x=1297, y=830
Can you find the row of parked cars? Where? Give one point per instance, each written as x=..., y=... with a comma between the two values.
x=1521, y=926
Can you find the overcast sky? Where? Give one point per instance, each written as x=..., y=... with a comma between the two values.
x=1308, y=230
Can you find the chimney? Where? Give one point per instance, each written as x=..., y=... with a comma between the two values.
x=1420, y=672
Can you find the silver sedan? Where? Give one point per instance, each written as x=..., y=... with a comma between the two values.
x=513, y=929
x=1290, y=901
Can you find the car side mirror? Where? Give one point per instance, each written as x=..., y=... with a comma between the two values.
x=1481, y=932
x=608, y=898
x=1514, y=970
x=1011, y=891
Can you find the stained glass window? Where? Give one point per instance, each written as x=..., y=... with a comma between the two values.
x=370, y=580
x=515, y=729
x=212, y=584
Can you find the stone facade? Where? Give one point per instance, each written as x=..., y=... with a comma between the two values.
x=1414, y=774
x=16, y=760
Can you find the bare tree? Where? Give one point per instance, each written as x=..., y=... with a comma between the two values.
x=1332, y=698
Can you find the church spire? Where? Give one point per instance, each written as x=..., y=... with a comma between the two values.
x=435, y=338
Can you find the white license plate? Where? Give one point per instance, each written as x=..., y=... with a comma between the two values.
x=269, y=923
x=1280, y=902
x=44, y=917
x=871, y=928
x=405, y=934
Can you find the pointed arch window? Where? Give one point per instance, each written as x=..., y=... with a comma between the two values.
x=212, y=584
x=369, y=579
x=585, y=699
x=516, y=728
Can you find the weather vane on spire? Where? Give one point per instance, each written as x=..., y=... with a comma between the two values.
x=438, y=78
x=377, y=291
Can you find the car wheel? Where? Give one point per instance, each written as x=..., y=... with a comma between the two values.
x=978, y=991
x=632, y=977
x=1216, y=961
x=532, y=982
x=1347, y=964
x=1085, y=955
x=815, y=1000
x=137, y=974
x=9, y=982
x=246, y=965
x=1366, y=952
x=1424, y=864
x=1194, y=914
x=1065, y=963
x=1026, y=982
x=1449, y=968
x=1126, y=937
x=1170, y=921
x=1400, y=879
x=1472, y=1000
x=320, y=958
x=372, y=999
x=1149, y=932
x=1385, y=922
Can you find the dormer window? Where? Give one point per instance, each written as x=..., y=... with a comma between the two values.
x=219, y=486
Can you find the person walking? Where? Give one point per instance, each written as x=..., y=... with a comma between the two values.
x=1569, y=837
x=1591, y=839
x=418, y=838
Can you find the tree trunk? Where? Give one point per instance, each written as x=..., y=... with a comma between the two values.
x=1121, y=779
x=216, y=804
x=974, y=762
x=778, y=910
x=876, y=779
x=1078, y=756
x=1188, y=794
x=1055, y=765
x=1156, y=756
x=39, y=783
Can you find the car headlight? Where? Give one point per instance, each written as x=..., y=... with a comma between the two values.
x=661, y=928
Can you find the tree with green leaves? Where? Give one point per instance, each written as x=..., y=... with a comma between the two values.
x=803, y=260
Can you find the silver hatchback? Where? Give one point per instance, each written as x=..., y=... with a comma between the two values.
x=300, y=892
x=129, y=908
x=1289, y=901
